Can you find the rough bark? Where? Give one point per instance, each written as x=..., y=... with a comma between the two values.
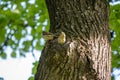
x=86, y=53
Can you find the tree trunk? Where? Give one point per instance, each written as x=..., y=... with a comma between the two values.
x=86, y=53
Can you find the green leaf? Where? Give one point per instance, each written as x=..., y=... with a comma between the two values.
x=42, y=18
x=118, y=21
x=34, y=69
x=47, y=26
x=33, y=32
x=35, y=63
x=13, y=55
x=3, y=21
x=31, y=21
x=38, y=46
x=31, y=78
x=27, y=45
x=3, y=55
x=18, y=35
x=2, y=35
x=39, y=28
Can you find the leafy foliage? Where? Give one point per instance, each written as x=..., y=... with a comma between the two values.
x=22, y=22
x=34, y=70
x=115, y=25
